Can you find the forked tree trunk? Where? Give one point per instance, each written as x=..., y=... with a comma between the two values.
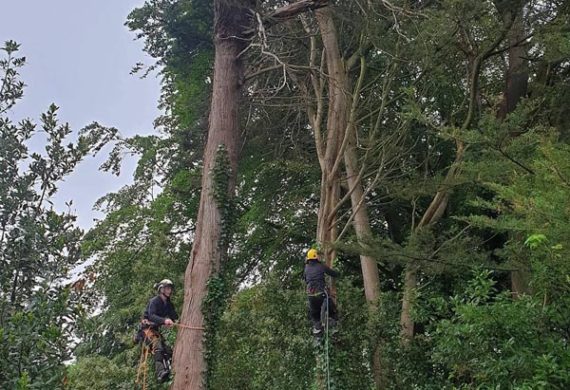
x=336, y=125
x=431, y=216
x=340, y=145
x=231, y=18
x=360, y=220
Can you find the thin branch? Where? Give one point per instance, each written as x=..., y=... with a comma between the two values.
x=517, y=163
x=351, y=120
x=317, y=117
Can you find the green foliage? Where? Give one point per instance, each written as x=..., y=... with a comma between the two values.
x=507, y=208
x=100, y=373
x=38, y=245
x=135, y=246
x=258, y=345
x=179, y=35
x=213, y=307
x=35, y=342
x=535, y=240
x=221, y=174
x=500, y=342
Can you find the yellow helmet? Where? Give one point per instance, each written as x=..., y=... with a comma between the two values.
x=312, y=254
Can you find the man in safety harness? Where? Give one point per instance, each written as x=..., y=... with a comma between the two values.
x=159, y=311
x=317, y=291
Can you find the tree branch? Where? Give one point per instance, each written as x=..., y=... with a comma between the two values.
x=292, y=10
x=288, y=12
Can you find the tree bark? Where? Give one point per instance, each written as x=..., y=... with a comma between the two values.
x=516, y=88
x=517, y=69
x=232, y=27
x=292, y=10
x=432, y=215
x=223, y=134
x=362, y=228
x=336, y=125
x=340, y=146
x=360, y=220
x=369, y=267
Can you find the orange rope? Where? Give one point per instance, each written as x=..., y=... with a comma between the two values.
x=145, y=368
x=146, y=349
x=188, y=326
x=139, y=365
x=142, y=369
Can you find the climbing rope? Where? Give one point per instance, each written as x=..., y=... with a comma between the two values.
x=142, y=368
x=327, y=363
x=188, y=326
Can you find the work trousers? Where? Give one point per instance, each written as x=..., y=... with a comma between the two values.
x=318, y=304
x=161, y=352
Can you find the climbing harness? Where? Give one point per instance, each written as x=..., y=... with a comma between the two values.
x=149, y=348
x=143, y=361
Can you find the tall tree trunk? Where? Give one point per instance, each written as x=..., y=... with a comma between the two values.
x=516, y=88
x=432, y=215
x=232, y=26
x=361, y=225
x=369, y=267
x=208, y=248
x=340, y=145
x=336, y=125
x=517, y=70
x=360, y=221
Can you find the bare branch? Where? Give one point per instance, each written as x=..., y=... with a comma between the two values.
x=292, y=10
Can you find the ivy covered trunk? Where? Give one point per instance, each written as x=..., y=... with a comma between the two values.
x=218, y=183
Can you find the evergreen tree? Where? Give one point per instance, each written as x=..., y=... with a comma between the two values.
x=39, y=246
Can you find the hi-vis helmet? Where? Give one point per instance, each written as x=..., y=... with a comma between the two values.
x=164, y=283
x=312, y=254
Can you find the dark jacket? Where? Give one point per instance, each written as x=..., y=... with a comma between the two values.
x=158, y=310
x=314, y=276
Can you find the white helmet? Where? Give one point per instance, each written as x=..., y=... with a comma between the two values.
x=164, y=283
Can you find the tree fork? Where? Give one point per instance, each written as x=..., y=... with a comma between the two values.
x=340, y=146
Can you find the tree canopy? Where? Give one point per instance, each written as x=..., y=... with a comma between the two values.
x=428, y=139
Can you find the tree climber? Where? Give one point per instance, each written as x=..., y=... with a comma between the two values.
x=159, y=311
x=317, y=290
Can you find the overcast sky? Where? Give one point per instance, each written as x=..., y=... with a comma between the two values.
x=79, y=55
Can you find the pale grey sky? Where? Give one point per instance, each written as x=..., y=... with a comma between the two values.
x=79, y=55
